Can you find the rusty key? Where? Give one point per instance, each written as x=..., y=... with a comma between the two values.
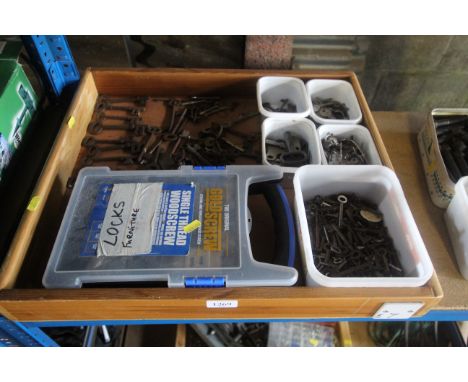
x=90, y=160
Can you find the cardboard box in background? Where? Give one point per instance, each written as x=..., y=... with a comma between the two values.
x=18, y=101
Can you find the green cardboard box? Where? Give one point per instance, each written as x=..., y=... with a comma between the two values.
x=18, y=101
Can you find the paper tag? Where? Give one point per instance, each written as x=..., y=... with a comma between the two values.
x=347, y=342
x=222, y=304
x=34, y=203
x=192, y=226
x=71, y=122
x=127, y=228
x=397, y=310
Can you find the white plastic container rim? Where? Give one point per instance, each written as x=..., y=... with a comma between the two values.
x=320, y=178
x=273, y=89
x=362, y=137
x=339, y=90
x=305, y=128
x=456, y=218
x=461, y=188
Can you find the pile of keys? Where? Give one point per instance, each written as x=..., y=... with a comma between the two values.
x=342, y=150
x=285, y=106
x=290, y=151
x=328, y=108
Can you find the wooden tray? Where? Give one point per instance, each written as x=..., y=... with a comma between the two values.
x=23, y=297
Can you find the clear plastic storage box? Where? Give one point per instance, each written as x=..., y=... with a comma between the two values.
x=132, y=226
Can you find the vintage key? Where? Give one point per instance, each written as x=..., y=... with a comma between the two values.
x=137, y=129
x=130, y=145
x=132, y=110
x=90, y=160
x=91, y=141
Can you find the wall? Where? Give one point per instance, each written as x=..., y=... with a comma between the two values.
x=416, y=73
x=403, y=73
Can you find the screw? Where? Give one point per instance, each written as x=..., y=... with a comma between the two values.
x=232, y=144
x=450, y=164
x=195, y=153
x=176, y=146
x=450, y=121
x=171, y=123
x=148, y=142
x=179, y=124
x=70, y=182
x=215, y=110
x=157, y=153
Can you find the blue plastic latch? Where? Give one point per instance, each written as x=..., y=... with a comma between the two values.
x=205, y=282
x=209, y=167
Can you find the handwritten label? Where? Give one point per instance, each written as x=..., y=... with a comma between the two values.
x=222, y=304
x=127, y=228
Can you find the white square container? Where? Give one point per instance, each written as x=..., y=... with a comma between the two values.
x=340, y=91
x=361, y=136
x=456, y=219
x=274, y=89
x=379, y=185
x=304, y=128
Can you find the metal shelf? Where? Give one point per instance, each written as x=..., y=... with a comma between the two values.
x=398, y=131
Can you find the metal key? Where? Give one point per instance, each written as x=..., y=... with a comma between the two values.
x=91, y=141
x=141, y=101
x=89, y=160
x=102, y=115
x=138, y=129
x=130, y=145
x=133, y=110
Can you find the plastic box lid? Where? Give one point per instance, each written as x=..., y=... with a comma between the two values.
x=218, y=253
